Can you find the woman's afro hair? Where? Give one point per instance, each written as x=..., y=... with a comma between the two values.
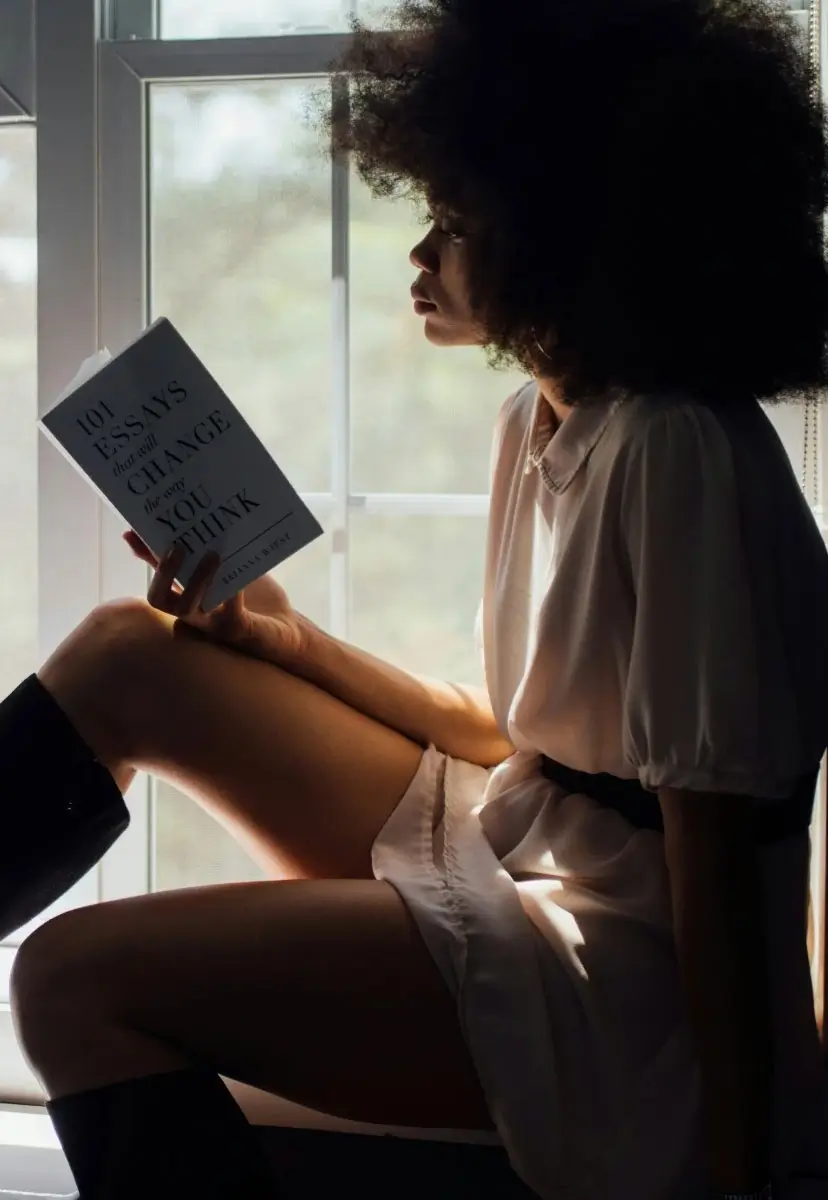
x=643, y=182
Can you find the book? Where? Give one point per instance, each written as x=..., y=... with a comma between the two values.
x=154, y=434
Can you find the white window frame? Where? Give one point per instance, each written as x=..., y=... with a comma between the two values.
x=92, y=231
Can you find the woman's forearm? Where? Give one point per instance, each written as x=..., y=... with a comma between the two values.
x=457, y=719
x=719, y=930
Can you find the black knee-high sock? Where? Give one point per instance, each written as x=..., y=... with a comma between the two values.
x=166, y=1137
x=60, y=809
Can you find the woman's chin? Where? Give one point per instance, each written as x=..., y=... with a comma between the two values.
x=437, y=337
x=442, y=334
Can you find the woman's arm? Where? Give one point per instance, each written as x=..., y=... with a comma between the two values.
x=457, y=719
x=719, y=929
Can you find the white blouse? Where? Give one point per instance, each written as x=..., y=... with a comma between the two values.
x=656, y=596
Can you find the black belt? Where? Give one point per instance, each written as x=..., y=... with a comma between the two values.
x=772, y=821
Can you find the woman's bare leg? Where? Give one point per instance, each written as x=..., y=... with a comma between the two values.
x=301, y=780
x=321, y=992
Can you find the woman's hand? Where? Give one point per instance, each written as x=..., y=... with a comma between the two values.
x=259, y=621
x=263, y=595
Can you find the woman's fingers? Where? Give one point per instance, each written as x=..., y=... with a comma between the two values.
x=235, y=608
x=140, y=548
x=228, y=619
x=162, y=594
x=191, y=599
x=165, y=594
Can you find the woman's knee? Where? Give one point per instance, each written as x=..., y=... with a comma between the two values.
x=74, y=993
x=55, y=983
x=125, y=635
x=107, y=670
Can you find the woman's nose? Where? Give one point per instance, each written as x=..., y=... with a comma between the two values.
x=424, y=258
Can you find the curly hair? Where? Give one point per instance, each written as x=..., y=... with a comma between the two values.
x=644, y=182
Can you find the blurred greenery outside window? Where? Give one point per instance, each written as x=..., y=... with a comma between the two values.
x=262, y=18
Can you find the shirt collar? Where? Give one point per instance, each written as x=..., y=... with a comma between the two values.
x=559, y=451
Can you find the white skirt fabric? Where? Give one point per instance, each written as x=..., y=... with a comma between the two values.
x=549, y=918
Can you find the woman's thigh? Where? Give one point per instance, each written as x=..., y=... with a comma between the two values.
x=322, y=992
x=304, y=782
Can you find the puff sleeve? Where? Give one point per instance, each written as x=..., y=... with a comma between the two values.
x=708, y=706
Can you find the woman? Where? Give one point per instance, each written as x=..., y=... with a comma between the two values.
x=572, y=908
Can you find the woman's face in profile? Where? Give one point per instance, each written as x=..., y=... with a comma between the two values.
x=440, y=293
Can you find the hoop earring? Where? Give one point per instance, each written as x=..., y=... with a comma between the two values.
x=540, y=347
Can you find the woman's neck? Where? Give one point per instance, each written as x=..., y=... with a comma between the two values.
x=551, y=392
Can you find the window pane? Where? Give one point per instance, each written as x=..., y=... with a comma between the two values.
x=241, y=254
x=375, y=12
x=192, y=849
x=250, y=18
x=18, y=395
x=422, y=417
x=416, y=584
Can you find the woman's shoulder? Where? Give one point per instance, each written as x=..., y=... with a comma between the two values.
x=682, y=433
x=741, y=436
x=662, y=417
x=683, y=459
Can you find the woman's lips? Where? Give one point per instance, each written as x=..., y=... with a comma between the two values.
x=422, y=304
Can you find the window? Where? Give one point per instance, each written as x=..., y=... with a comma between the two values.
x=178, y=175
x=253, y=238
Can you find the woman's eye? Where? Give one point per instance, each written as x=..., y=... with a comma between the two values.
x=455, y=233
x=445, y=227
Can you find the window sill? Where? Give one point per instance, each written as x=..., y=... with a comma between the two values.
x=31, y=1160
x=27, y=1126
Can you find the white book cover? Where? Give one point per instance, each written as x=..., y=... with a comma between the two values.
x=159, y=440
